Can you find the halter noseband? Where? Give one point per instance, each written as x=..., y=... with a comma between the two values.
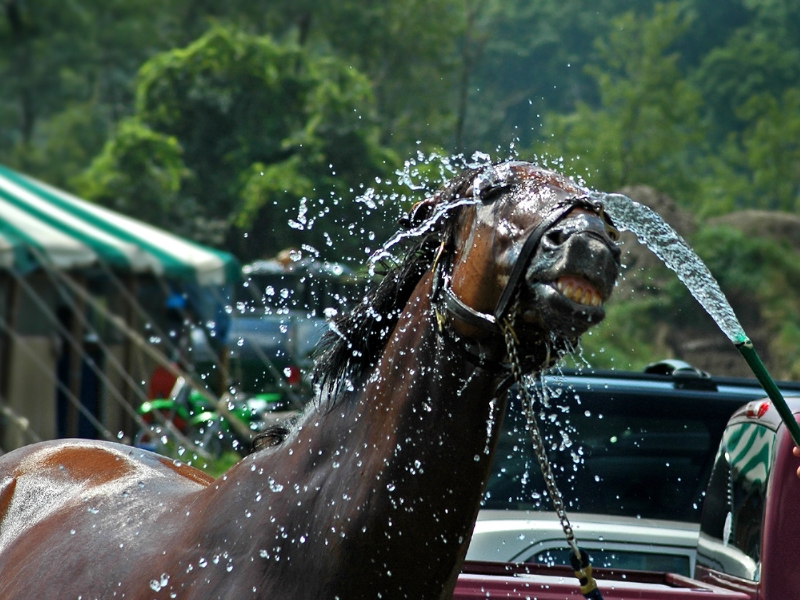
x=485, y=186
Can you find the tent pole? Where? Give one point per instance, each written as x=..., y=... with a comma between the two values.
x=12, y=306
x=115, y=393
x=48, y=372
x=158, y=356
x=129, y=318
x=74, y=380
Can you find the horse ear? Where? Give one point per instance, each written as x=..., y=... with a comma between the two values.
x=419, y=213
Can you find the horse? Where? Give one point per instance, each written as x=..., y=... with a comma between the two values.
x=373, y=492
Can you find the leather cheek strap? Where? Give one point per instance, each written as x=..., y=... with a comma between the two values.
x=521, y=264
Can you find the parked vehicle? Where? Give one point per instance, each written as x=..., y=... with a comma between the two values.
x=632, y=455
x=611, y=541
x=749, y=529
x=279, y=313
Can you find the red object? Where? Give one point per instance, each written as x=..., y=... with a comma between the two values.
x=756, y=410
x=161, y=383
x=292, y=374
x=524, y=581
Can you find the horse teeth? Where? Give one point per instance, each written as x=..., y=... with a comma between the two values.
x=577, y=293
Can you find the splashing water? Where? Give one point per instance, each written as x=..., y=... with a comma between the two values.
x=675, y=253
x=671, y=248
x=414, y=176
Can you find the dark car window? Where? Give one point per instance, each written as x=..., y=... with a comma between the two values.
x=620, y=559
x=619, y=452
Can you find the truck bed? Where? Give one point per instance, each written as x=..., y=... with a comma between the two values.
x=540, y=582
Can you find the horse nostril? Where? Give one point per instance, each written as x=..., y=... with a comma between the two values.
x=556, y=237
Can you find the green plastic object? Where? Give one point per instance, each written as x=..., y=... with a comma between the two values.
x=747, y=350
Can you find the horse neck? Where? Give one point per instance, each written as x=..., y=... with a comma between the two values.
x=394, y=472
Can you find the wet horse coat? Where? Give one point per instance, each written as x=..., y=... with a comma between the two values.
x=374, y=492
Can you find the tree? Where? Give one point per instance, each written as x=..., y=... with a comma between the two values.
x=140, y=172
x=763, y=160
x=260, y=136
x=71, y=63
x=647, y=128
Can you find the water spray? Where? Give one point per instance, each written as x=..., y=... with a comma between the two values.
x=672, y=249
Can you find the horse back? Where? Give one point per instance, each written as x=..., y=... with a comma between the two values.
x=44, y=486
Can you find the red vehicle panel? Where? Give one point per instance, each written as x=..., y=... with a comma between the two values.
x=493, y=580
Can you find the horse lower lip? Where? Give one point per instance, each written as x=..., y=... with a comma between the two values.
x=578, y=290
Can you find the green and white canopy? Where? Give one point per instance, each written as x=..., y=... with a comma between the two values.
x=41, y=226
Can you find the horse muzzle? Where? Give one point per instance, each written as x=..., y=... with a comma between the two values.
x=571, y=276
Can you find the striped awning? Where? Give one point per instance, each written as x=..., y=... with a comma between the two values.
x=41, y=226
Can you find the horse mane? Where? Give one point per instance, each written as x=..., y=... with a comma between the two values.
x=355, y=340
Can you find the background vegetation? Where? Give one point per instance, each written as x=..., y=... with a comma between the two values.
x=254, y=126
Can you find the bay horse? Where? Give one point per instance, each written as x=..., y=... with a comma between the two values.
x=374, y=491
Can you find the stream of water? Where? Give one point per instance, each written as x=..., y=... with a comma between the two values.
x=672, y=249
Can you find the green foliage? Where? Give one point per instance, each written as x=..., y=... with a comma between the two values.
x=762, y=276
x=410, y=50
x=625, y=339
x=56, y=58
x=647, y=127
x=758, y=276
x=770, y=152
x=747, y=65
x=140, y=172
x=266, y=130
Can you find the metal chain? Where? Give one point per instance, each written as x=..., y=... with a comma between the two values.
x=533, y=428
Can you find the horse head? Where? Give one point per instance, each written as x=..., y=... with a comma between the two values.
x=530, y=249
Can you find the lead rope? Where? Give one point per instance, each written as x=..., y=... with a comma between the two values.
x=578, y=558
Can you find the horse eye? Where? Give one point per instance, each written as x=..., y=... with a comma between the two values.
x=492, y=193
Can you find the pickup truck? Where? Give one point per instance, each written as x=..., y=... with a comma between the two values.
x=749, y=543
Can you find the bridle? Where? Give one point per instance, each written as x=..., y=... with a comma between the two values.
x=448, y=305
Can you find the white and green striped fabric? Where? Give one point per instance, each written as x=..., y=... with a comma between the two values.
x=41, y=226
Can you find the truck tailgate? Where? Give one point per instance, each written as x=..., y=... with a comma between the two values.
x=479, y=580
